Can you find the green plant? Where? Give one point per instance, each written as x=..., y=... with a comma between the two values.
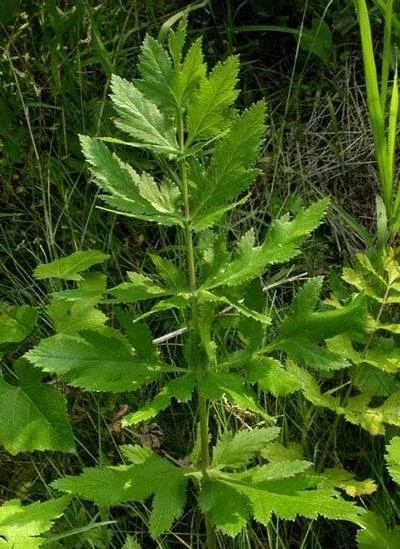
x=202, y=151
x=383, y=120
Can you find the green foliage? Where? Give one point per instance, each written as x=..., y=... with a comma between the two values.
x=393, y=459
x=236, y=450
x=96, y=361
x=16, y=323
x=21, y=526
x=150, y=475
x=33, y=416
x=364, y=345
x=68, y=268
x=203, y=154
x=374, y=533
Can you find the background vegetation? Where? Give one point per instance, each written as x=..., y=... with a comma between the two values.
x=56, y=62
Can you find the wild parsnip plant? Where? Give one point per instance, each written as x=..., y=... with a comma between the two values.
x=205, y=150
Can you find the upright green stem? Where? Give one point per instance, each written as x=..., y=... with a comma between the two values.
x=202, y=402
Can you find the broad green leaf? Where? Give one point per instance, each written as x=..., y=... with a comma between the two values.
x=33, y=416
x=154, y=475
x=138, y=288
x=357, y=279
x=308, y=297
x=271, y=376
x=282, y=243
x=393, y=459
x=21, y=526
x=180, y=388
x=207, y=112
x=215, y=385
x=70, y=317
x=227, y=509
x=141, y=119
x=96, y=362
x=91, y=287
x=70, y=267
x=237, y=450
x=74, y=310
x=229, y=172
x=374, y=381
x=155, y=69
x=136, y=195
x=16, y=323
x=180, y=302
x=275, y=451
x=375, y=534
x=287, y=498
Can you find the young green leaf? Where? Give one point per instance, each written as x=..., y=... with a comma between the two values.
x=96, y=361
x=33, y=416
x=155, y=69
x=21, y=526
x=229, y=172
x=208, y=112
x=186, y=78
x=133, y=194
x=70, y=267
x=141, y=118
